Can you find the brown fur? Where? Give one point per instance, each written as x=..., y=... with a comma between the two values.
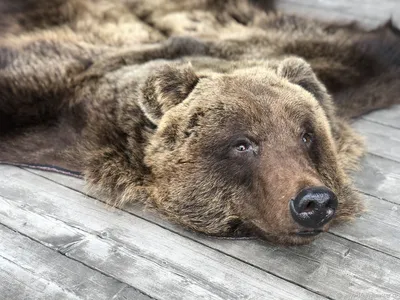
x=149, y=98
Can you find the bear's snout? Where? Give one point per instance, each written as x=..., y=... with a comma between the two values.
x=313, y=207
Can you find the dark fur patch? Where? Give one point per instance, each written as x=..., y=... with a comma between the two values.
x=32, y=14
x=391, y=27
x=44, y=48
x=355, y=64
x=181, y=46
x=194, y=120
x=169, y=136
x=219, y=154
x=383, y=44
x=7, y=56
x=17, y=6
x=150, y=102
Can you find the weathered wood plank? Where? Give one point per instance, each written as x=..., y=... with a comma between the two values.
x=25, y=220
x=156, y=261
x=60, y=237
x=366, y=12
x=18, y=283
x=378, y=227
x=165, y=280
x=29, y=270
x=342, y=269
x=332, y=258
x=331, y=261
x=381, y=140
x=55, y=235
x=379, y=177
x=388, y=117
x=73, y=183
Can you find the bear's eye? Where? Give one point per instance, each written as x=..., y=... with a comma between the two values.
x=307, y=138
x=243, y=146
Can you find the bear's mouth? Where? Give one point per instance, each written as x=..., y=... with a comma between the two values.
x=308, y=233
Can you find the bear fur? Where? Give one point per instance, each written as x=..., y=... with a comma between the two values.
x=149, y=100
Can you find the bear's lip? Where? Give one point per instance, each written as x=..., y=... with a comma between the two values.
x=308, y=233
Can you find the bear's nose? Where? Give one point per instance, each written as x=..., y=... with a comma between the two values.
x=313, y=207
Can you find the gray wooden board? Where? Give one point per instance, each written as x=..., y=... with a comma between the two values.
x=328, y=255
x=381, y=140
x=379, y=177
x=156, y=261
x=378, y=227
x=368, y=12
x=388, y=117
x=29, y=270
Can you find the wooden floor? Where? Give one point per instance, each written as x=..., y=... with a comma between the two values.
x=369, y=13
x=58, y=243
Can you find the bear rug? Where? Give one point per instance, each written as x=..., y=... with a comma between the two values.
x=226, y=117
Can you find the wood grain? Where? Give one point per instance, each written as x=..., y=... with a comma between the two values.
x=389, y=117
x=29, y=270
x=379, y=177
x=381, y=140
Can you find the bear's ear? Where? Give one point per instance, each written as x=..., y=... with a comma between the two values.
x=164, y=89
x=299, y=72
